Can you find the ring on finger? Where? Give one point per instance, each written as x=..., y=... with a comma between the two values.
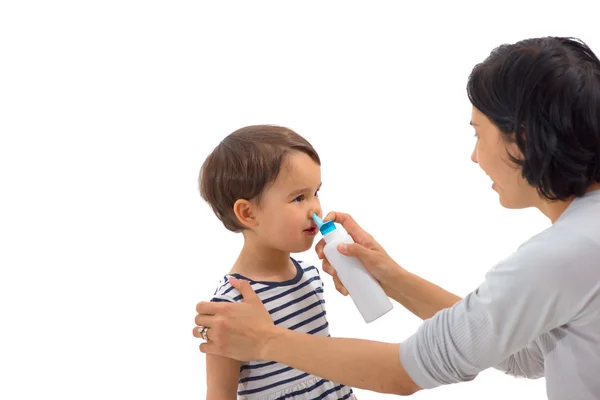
x=203, y=332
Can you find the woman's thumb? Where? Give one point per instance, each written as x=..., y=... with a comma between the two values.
x=352, y=250
x=245, y=289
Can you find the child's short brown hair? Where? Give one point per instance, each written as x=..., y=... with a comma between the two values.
x=244, y=164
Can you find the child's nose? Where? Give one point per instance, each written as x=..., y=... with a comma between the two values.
x=316, y=210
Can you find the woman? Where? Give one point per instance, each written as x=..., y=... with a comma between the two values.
x=536, y=114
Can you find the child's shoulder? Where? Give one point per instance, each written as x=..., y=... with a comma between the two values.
x=226, y=292
x=307, y=273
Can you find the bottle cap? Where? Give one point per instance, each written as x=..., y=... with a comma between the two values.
x=324, y=227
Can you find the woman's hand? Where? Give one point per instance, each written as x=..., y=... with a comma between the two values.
x=236, y=330
x=375, y=259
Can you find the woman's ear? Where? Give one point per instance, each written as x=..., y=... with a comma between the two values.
x=245, y=211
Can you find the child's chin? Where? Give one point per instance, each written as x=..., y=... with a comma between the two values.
x=307, y=247
x=301, y=248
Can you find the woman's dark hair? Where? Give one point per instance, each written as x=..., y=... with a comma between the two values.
x=544, y=95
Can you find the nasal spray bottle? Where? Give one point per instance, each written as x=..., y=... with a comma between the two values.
x=365, y=291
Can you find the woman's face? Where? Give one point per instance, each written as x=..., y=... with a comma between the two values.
x=491, y=153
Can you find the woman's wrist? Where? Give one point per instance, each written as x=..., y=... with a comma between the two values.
x=421, y=297
x=394, y=284
x=274, y=341
x=358, y=363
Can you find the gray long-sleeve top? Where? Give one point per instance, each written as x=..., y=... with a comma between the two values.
x=537, y=314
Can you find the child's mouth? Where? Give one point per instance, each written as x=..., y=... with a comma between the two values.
x=311, y=231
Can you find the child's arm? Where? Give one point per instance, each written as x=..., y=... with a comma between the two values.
x=222, y=373
x=222, y=376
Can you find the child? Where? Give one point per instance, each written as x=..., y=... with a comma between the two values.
x=263, y=181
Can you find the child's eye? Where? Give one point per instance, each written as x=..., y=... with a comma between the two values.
x=302, y=197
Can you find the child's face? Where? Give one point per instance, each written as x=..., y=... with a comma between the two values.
x=284, y=216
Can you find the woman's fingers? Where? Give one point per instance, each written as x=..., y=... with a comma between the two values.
x=327, y=268
x=339, y=286
x=351, y=226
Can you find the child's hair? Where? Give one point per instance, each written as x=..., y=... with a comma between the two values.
x=244, y=164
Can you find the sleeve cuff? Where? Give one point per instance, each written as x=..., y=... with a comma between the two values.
x=413, y=365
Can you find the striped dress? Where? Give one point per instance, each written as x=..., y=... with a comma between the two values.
x=297, y=304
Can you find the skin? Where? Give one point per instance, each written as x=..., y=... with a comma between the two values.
x=274, y=228
x=245, y=331
x=491, y=153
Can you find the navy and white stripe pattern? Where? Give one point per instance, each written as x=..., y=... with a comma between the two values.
x=297, y=304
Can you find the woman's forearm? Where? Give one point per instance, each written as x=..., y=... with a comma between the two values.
x=357, y=363
x=419, y=296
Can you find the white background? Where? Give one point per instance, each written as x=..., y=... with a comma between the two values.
x=107, y=110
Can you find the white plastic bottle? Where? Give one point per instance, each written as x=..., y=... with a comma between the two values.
x=365, y=291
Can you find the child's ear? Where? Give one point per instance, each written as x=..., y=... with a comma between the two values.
x=245, y=212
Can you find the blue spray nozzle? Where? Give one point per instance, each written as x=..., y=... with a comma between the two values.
x=324, y=227
x=317, y=220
